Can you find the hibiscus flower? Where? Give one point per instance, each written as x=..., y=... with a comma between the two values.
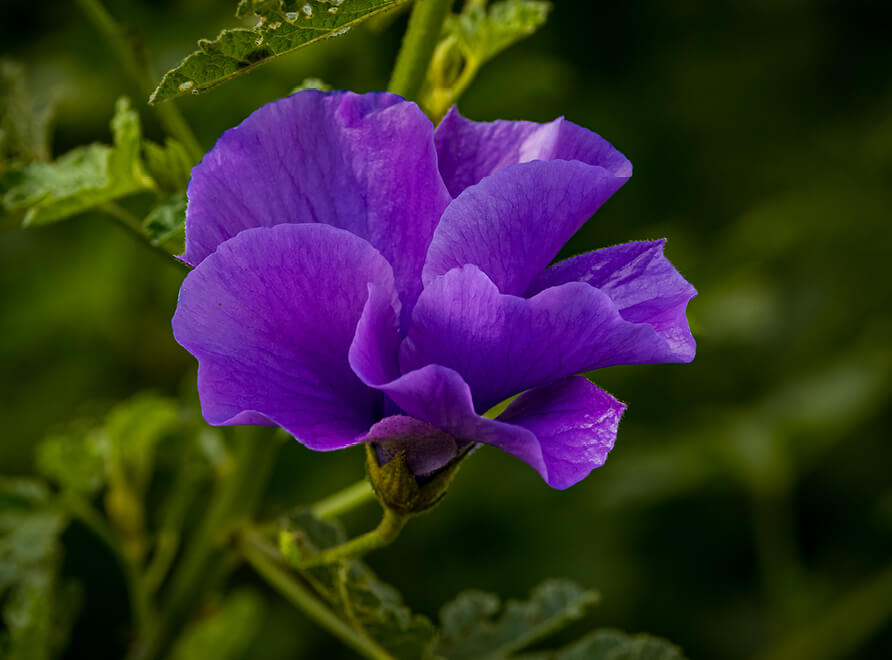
x=362, y=277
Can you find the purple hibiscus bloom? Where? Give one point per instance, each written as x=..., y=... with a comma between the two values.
x=362, y=277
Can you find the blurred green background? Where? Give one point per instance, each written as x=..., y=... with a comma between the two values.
x=748, y=501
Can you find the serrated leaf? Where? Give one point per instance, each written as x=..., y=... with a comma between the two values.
x=84, y=177
x=371, y=606
x=473, y=37
x=165, y=226
x=169, y=165
x=470, y=627
x=284, y=26
x=616, y=645
x=224, y=634
x=29, y=554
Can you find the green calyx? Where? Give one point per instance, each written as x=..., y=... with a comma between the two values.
x=399, y=490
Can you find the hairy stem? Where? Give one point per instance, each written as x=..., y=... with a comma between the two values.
x=384, y=534
x=264, y=558
x=344, y=500
x=419, y=43
x=134, y=62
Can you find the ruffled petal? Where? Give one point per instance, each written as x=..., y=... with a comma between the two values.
x=471, y=150
x=503, y=344
x=640, y=281
x=270, y=315
x=513, y=223
x=364, y=163
x=575, y=424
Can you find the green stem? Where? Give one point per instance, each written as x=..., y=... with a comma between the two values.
x=83, y=511
x=134, y=61
x=134, y=224
x=419, y=42
x=384, y=534
x=265, y=560
x=236, y=496
x=344, y=500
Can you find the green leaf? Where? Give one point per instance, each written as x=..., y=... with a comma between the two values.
x=84, y=177
x=169, y=165
x=616, y=645
x=165, y=226
x=353, y=591
x=470, y=629
x=74, y=460
x=35, y=618
x=284, y=26
x=24, y=135
x=225, y=633
x=472, y=38
x=482, y=34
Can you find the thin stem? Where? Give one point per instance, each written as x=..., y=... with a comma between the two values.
x=236, y=496
x=265, y=560
x=384, y=534
x=131, y=222
x=137, y=67
x=83, y=511
x=419, y=43
x=344, y=500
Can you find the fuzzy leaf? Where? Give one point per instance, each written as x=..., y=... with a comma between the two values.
x=352, y=589
x=470, y=629
x=483, y=33
x=29, y=555
x=224, y=634
x=284, y=26
x=165, y=225
x=84, y=177
x=470, y=39
x=616, y=645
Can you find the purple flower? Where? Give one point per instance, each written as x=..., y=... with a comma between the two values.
x=361, y=277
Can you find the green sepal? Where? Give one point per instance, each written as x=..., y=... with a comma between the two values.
x=399, y=490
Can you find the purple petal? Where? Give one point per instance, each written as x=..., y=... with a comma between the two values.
x=513, y=223
x=270, y=316
x=364, y=163
x=642, y=283
x=427, y=448
x=503, y=344
x=575, y=423
x=470, y=150
x=563, y=431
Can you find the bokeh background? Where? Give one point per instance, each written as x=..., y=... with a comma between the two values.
x=747, y=506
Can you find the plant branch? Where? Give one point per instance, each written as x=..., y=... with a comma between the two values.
x=384, y=534
x=419, y=42
x=264, y=558
x=135, y=63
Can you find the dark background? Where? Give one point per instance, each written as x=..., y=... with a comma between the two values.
x=748, y=499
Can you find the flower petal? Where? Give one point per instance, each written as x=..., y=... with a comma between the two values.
x=575, y=423
x=503, y=344
x=270, y=316
x=471, y=150
x=513, y=223
x=364, y=163
x=643, y=285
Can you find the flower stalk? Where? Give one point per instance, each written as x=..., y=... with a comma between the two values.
x=419, y=42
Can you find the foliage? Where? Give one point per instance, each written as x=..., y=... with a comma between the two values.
x=473, y=37
x=283, y=27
